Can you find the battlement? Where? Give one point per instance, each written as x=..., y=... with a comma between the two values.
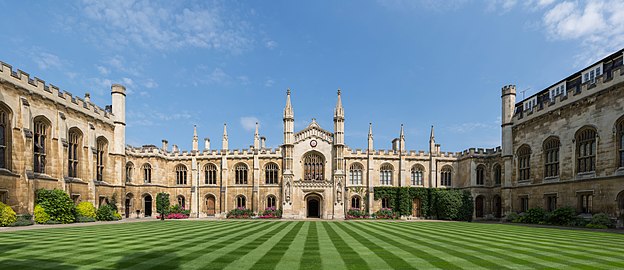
x=609, y=72
x=22, y=80
x=480, y=152
x=152, y=150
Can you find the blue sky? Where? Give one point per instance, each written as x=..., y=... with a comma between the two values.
x=417, y=63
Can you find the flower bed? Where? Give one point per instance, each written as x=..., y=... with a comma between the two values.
x=271, y=213
x=385, y=213
x=176, y=212
x=355, y=213
x=240, y=213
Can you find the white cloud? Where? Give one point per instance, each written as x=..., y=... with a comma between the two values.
x=218, y=76
x=435, y=5
x=165, y=25
x=270, y=44
x=103, y=70
x=46, y=60
x=471, y=126
x=150, y=84
x=269, y=83
x=249, y=122
x=128, y=82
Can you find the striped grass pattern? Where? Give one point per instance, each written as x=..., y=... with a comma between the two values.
x=309, y=245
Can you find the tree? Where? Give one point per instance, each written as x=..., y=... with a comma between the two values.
x=162, y=204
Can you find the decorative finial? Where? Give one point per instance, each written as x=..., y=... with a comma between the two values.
x=339, y=91
x=288, y=91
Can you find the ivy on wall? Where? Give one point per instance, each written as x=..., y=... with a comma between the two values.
x=451, y=204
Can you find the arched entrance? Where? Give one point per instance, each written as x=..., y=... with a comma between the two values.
x=479, y=206
x=313, y=206
x=148, y=205
x=497, y=206
x=209, y=203
x=416, y=208
x=620, y=205
x=128, y=204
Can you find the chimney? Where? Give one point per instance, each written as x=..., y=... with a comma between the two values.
x=395, y=144
x=87, y=98
x=263, y=142
x=165, y=145
x=206, y=144
x=175, y=148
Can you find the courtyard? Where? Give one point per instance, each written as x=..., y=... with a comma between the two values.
x=187, y=244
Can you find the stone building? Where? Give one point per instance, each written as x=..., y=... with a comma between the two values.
x=563, y=146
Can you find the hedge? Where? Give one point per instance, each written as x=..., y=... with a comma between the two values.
x=85, y=209
x=7, y=215
x=452, y=204
x=57, y=204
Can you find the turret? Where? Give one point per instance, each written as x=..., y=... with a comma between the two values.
x=370, y=137
x=195, y=139
x=508, y=102
x=224, y=143
x=118, y=94
x=289, y=121
x=339, y=122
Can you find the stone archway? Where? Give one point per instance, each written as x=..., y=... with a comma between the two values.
x=620, y=209
x=210, y=203
x=313, y=206
x=147, y=209
x=497, y=206
x=128, y=204
x=479, y=206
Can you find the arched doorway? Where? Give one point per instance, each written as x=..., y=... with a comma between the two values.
x=313, y=206
x=210, y=205
x=148, y=205
x=620, y=205
x=416, y=207
x=479, y=206
x=128, y=204
x=497, y=206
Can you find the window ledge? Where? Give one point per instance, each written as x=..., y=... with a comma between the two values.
x=74, y=180
x=586, y=175
x=524, y=182
x=619, y=171
x=101, y=183
x=551, y=179
x=8, y=172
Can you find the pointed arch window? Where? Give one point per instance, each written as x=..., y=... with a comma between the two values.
x=39, y=145
x=241, y=174
x=271, y=202
x=355, y=174
x=551, y=157
x=356, y=202
x=418, y=175
x=147, y=173
x=586, y=150
x=129, y=171
x=210, y=174
x=241, y=202
x=182, y=201
x=99, y=157
x=446, y=176
x=524, y=163
x=271, y=173
x=181, y=173
x=620, y=141
x=4, y=135
x=480, y=175
x=498, y=174
x=73, y=158
x=385, y=174
x=313, y=167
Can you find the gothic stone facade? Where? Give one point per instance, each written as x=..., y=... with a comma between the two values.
x=560, y=147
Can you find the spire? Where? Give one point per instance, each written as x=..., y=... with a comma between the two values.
x=288, y=110
x=224, y=144
x=339, y=111
x=256, y=138
x=431, y=137
x=402, y=135
x=402, y=139
x=432, y=145
x=195, y=140
x=370, y=136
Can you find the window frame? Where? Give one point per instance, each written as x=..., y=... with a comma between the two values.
x=147, y=173
x=74, y=141
x=40, y=144
x=480, y=172
x=417, y=175
x=356, y=202
x=524, y=163
x=586, y=149
x=241, y=202
x=271, y=173
x=181, y=174
x=241, y=172
x=355, y=174
x=210, y=174
x=446, y=176
x=551, y=149
x=386, y=172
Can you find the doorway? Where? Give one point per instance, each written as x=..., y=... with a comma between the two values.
x=210, y=205
x=313, y=205
x=127, y=205
x=148, y=205
x=497, y=206
x=479, y=206
x=416, y=206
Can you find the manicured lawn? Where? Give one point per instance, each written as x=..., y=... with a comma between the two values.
x=309, y=245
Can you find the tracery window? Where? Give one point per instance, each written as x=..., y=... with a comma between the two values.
x=385, y=203
x=586, y=150
x=498, y=174
x=271, y=173
x=4, y=134
x=524, y=163
x=271, y=201
x=241, y=174
x=586, y=201
x=181, y=173
x=355, y=174
x=480, y=175
x=147, y=173
x=241, y=202
x=182, y=201
x=99, y=157
x=313, y=167
x=551, y=157
x=39, y=145
x=74, y=138
x=620, y=141
x=417, y=175
x=385, y=174
x=446, y=176
x=355, y=202
x=210, y=174
x=129, y=171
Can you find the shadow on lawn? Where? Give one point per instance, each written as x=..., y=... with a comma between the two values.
x=30, y=262
x=162, y=259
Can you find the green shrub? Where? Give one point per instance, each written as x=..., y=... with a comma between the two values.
x=533, y=216
x=7, y=215
x=57, y=204
x=23, y=220
x=596, y=226
x=579, y=222
x=85, y=209
x=162, y=204
x=355, y=213
x=600, y=220
x=117, y=215
x=177, y=209
x=240, y=213
x=105, y=213
x=41, y=217
x=511, y=217
x=561, y=216
x=82, y=219
x=385, y=213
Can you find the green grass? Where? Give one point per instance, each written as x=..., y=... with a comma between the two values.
x=309, y=245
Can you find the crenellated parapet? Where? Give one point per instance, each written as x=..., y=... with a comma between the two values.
x=35, y=86
x=479, y=153
x=153, y=151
